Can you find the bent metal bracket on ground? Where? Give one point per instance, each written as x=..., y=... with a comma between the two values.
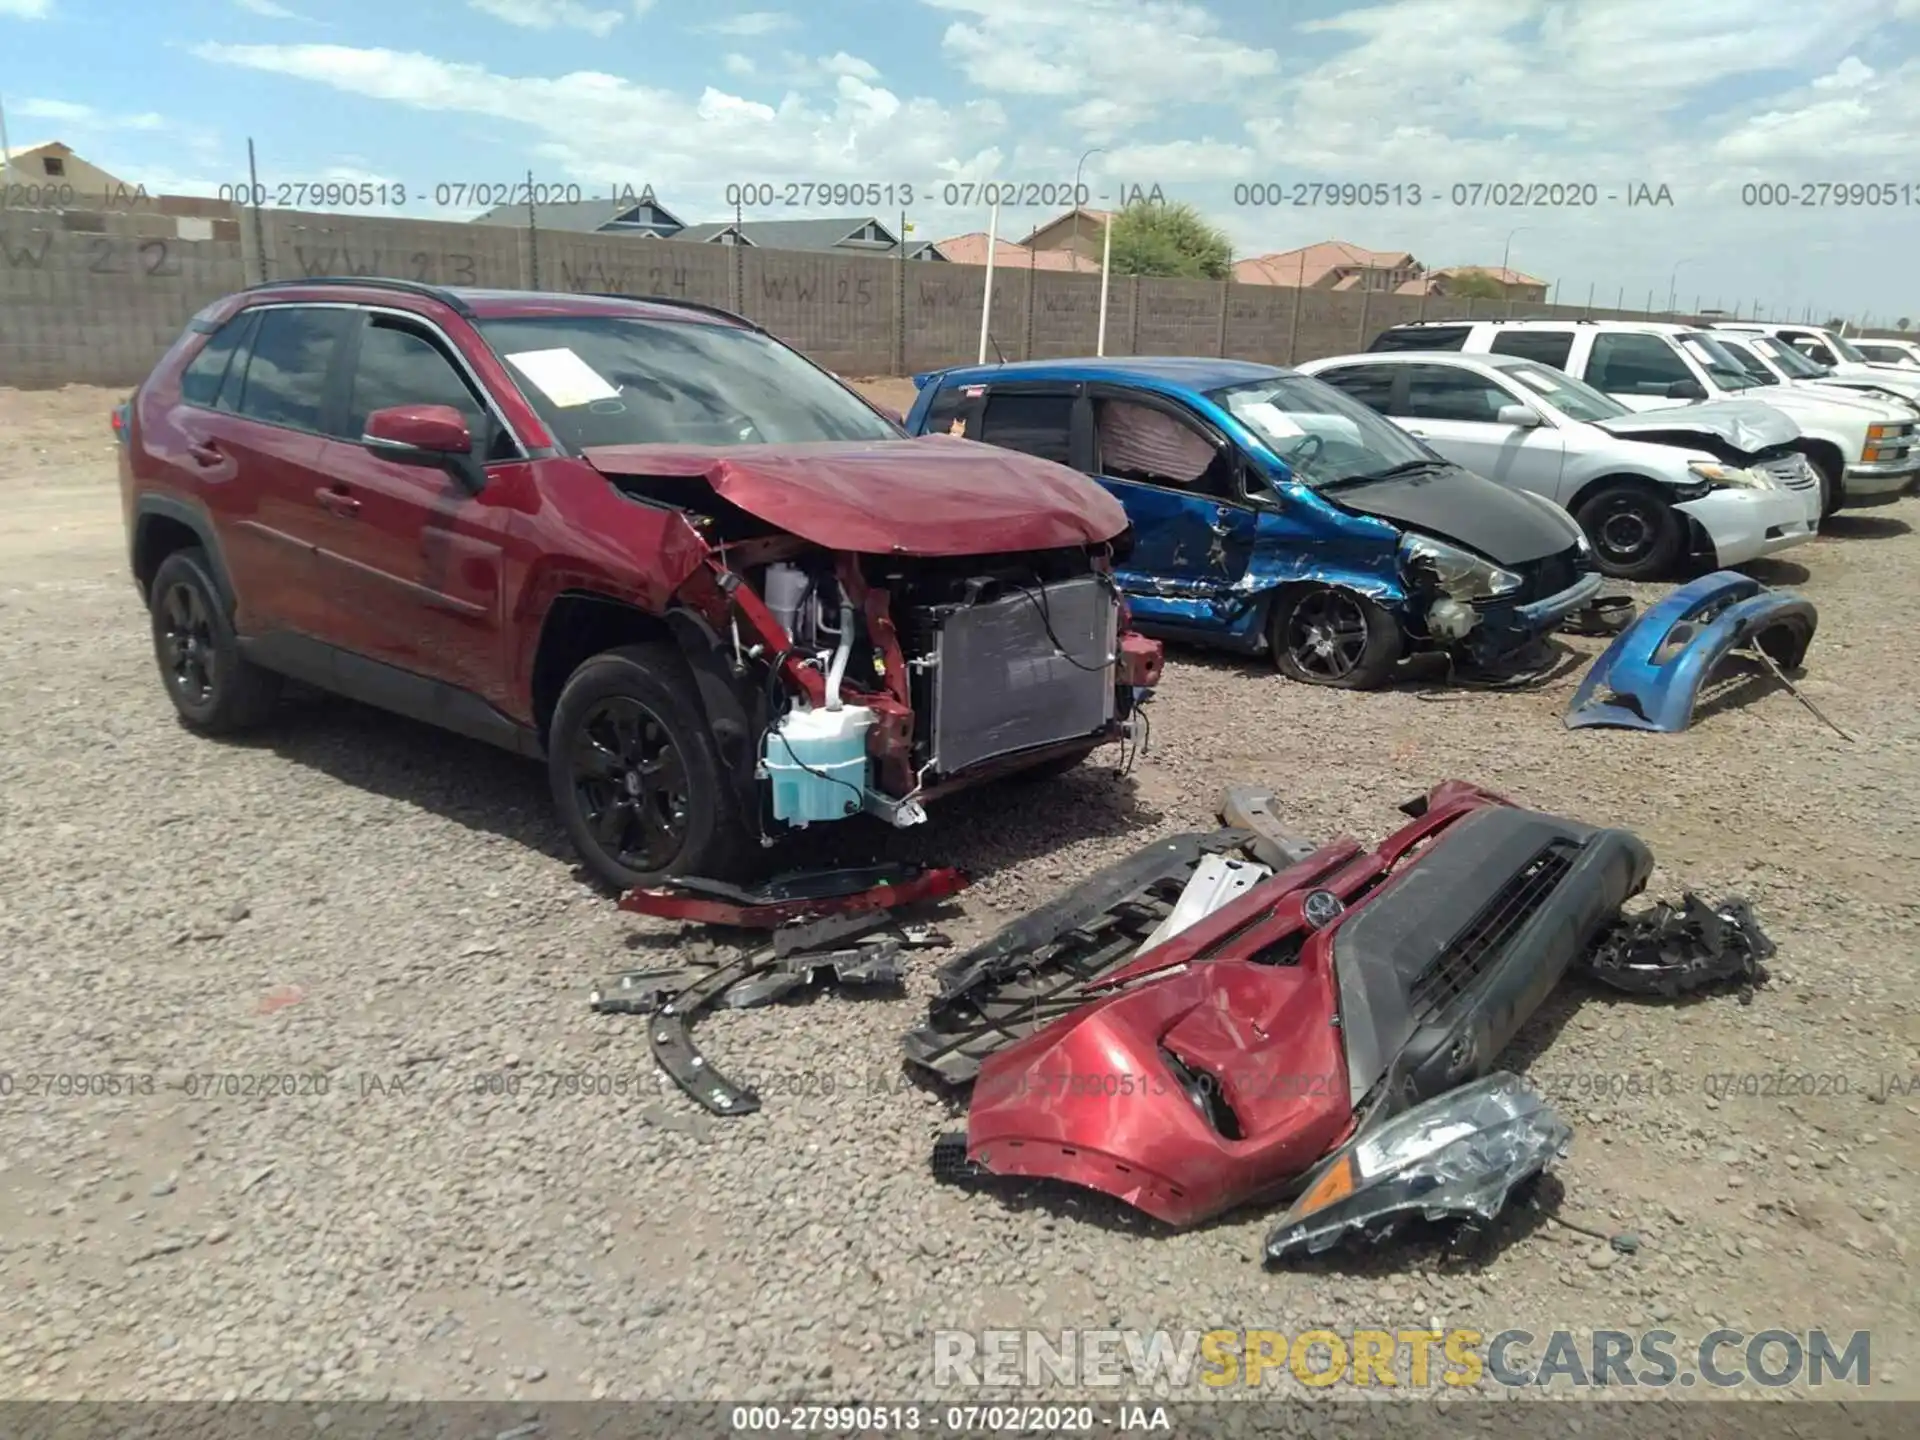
x=823, y=924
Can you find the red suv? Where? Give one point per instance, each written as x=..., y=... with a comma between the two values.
x=722, y=595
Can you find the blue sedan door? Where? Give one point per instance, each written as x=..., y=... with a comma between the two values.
x=1180, y=482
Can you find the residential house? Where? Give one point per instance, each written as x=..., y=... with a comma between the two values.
x=971, y=249
x=626, y=215
x=1516, y=285
x=1079, y=231
x=50, y=174
x=846, y=235
x=1333, y=265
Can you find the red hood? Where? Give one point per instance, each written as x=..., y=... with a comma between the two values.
x=933, y=495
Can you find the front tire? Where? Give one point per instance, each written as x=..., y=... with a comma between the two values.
x=1635, y=533
x=1326, y=635
x=214, y=689
x=1833, y=484
x=635, y=776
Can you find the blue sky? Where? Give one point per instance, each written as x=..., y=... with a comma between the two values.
x=1706, y=97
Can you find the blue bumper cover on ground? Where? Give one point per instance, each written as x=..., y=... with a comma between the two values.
x=1650, y=676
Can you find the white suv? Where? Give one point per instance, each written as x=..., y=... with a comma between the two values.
x=1771, y=361
x=1837, y=361
x=1864, y=448
x=1900, y=354
x=1722, y=482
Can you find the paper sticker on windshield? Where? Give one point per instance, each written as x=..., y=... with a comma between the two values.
x=563, y=377
x=1264, y=415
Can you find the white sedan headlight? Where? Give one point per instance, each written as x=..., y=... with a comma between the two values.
x=1731, y=477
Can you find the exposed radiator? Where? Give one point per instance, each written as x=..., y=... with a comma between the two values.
x=1000, y=684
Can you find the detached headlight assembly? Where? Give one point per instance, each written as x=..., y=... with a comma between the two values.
x=1460, y=573
x=1457, y=1156
x=1729, y=477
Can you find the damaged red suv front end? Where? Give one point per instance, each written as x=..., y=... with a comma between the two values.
x=956, y=598
x=1219, y=1066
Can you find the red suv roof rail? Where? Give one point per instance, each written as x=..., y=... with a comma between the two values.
x=374, y=282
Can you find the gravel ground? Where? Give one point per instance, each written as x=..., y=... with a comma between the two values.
x=360, y=898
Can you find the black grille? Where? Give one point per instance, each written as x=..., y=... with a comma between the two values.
x=1490, y=932
x=1550, y=576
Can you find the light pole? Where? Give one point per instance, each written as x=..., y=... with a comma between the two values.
x=1096, y=150
x=1507, y=250
x=1673, y=281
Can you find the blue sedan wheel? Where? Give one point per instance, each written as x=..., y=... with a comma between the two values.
x=1324, y=635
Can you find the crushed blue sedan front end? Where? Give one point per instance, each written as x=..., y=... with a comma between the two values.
x=1288, y=487
x=1650, y=677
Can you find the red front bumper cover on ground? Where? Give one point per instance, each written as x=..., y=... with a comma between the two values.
x=1218, y=1067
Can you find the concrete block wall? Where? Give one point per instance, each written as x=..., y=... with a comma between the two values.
x=841, y=310
x=96, y=298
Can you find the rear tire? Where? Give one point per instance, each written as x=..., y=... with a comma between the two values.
x=1635, y=532
x=1327, y=635
x=214, y=689
x=635, y=775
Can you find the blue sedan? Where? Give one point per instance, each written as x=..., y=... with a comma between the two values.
x=1272, y=514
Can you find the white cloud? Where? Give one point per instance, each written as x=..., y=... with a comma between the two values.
x=752, y=23
x=84, y=117
x=55, y=110
x=552, y=14
x=736, y=64
x=1850, y=74
x=1125, y=57
x=26, y=9
x=845, y=64
x=1826, y=131
x=269, y=9
x=585, y=124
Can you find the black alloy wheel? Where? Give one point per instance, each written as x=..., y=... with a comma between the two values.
x=215, y=690
x=1325, y=635
x=630, y=782
x=186, y=643
x=637, y=778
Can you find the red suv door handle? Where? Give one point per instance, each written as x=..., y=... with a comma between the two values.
x=205, y=452
x=338, y=501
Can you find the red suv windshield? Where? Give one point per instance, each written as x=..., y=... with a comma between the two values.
x=610, y=380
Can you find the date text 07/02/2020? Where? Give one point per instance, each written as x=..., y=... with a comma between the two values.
x=443, y=194
x=887, y=195
x=1463, y=194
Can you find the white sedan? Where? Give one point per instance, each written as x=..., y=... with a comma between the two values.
x=1720, y=481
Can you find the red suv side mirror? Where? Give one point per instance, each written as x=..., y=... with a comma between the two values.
x=417, y=434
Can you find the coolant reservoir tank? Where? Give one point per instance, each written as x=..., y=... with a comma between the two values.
x=817, y=761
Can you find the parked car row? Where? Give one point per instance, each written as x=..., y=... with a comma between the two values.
x=724, y=597
x=1274, y=513
x=1861, y=443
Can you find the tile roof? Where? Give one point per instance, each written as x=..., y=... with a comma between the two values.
x=1504, y=275
x=1310, y=264
x=971, y=249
